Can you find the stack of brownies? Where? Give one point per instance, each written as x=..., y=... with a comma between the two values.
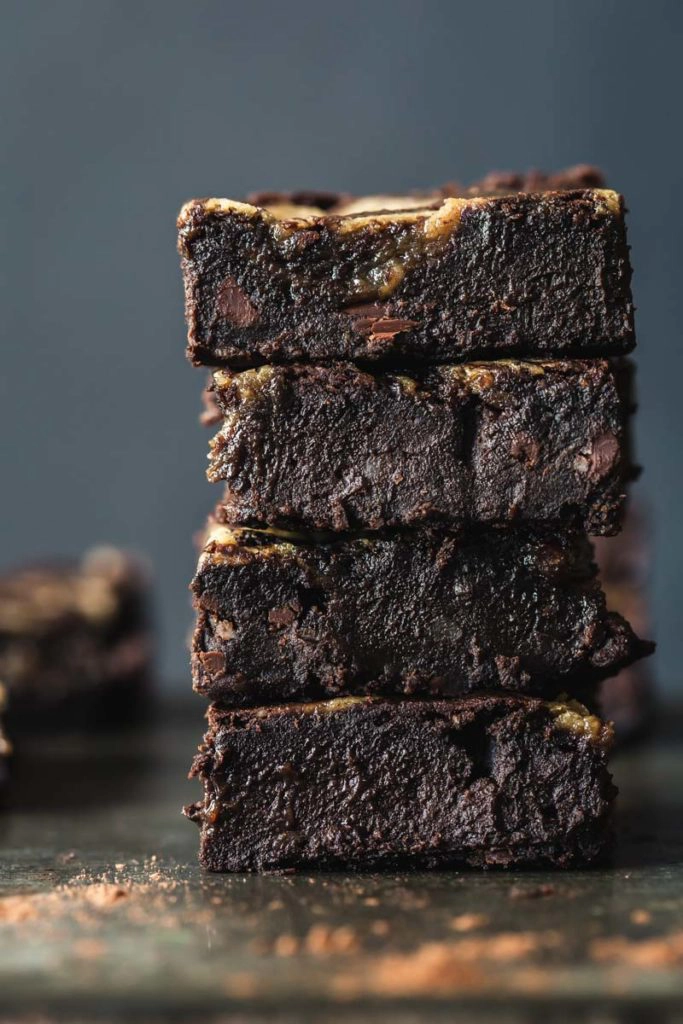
x=423, y=413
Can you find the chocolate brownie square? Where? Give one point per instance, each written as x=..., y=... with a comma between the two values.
x=287, y=617
x=340, y=448
x=514, y=266
x=368, y=782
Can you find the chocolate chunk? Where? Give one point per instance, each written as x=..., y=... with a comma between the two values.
x=233, y=304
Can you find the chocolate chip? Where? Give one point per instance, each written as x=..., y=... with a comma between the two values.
x=389, y=327
x=279, y=617
x=600, y=458
x=603, y=456
x=365, y=315
x=366, y=310
x=233, y=304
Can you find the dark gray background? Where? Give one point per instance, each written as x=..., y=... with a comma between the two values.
x=115, y=112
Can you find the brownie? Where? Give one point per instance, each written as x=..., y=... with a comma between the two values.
x=369, y=782
x=338, y=448
x=75, y=643
x=286, y=617
x=454, y=277
x=5, y=748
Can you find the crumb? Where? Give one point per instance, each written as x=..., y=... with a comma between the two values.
x=531, y=892
x=371, y=901
x=66, y=857
x=286, y=945
x=468, y=922
x=104, y=894
x=322, y=940
x=641, y=916
x=379, y=927
x=275, y=905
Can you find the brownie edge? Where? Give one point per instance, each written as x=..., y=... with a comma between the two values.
x=369, y=782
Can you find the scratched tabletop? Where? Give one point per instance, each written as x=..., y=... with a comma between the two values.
x=105, y=914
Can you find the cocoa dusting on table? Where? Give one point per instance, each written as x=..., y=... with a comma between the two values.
x=144, y=893
x=649, y=954
x=321, y=940
x=437, y=967
x=468, y=922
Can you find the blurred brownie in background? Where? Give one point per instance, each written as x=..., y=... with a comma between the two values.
x=5, y=748
x=75, y=640
x=628, y=699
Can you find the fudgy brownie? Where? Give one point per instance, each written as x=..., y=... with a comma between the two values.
x=75, y=640
x=286, y=617
x=368, y=782
x=338, y=448
x=455, y=277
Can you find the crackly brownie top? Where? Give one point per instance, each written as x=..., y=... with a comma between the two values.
x=497, y=183
x=38, y=598
x=432, y=216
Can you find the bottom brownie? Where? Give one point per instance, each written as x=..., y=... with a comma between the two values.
x=367, y=782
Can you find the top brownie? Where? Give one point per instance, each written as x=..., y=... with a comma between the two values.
x=513, y=266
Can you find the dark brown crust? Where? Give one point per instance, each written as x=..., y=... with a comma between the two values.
x=338, y=448
x=526, y=274
x=483, y=781
x=422, y=612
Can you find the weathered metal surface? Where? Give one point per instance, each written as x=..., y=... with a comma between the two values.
x=104, y=912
